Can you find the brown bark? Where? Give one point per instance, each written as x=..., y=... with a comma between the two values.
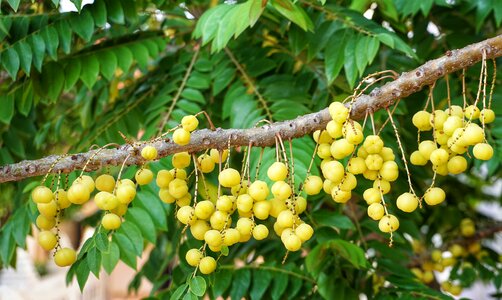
x=407, y=84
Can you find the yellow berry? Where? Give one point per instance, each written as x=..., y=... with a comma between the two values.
x=304, y=231
x=178, y=188
x=471, y=112
x=125, y=193
x=418, y=159
x=387, y=154
x=354, y=136
x=261, y=209
x=199, y=229
x=193, y=257
x=276, y=206
x=181, y=136
x=120, y=210
x=389, y=171
x=258, y=190
x=407, y=202
x=244, y=203
x=334, y=129
x=225, y=203
x=483, y=151
x=229, y=177
x=61, y=198
x=341, y=148
x=338, y=112
x=281, y=190
x=48, y=209
x=106, y=200
x=213, y=237
x=451, y=124
x=312, y=185
x=186, y=215
x=382, y=185
x=292, y=242
x=376, y=211
x=457, y=164
x=277, y=171
x=356, y=165
x=189, y=123
x=144, y=176
x=45, y=223
x=348, y=183
x=373, y=144
x=47, y=240
x=244, y=226
x=164, y=177
x=421, y=120
x=204, y=209
x=473, y=134
x=374, y=162
x=105, y=183
x=260, y=232
x=388, y=223
x=149, y=153
x=42, y=194
x=333, y=170
x=439, y=157
x=218, y=220
x=181, y=160
x=231, y=236
x=215, y=155
x=206, y=163
x=340, y=196
x=455, y=110
x=65, y=257
x=322, y=137
x=111, y=221
x=437, y=119
x=487, y=116
x=434, y=196
x=426, y=147
x=207, y=265
x=372, y=195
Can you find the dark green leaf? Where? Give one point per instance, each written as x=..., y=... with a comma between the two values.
x=94, y=261
x=280, y=284
x=194, y=95
x=72, y=73
x=140, y=53
x=362, y=52
x=107, y=64
x=89, y=70
x=10, y=61
x=124, y=58
x=328, y=218
x=334, y=56
x=83, y=24
x=64, y=32
x=25, y=56
x=99, y=13
x=349, y=64
x=222, y=281
x=134, y=234
x=240, y=284
x=115, y=11
x=144, y=222
x=14, y=4
x=179, y=292
x=82, y=273
x=51, y=38
x=111, y=257
x=261, y=280
x=294, y=13
x=197, y=286
x=53, y=77
x=77, y=3
x=38, y=47
x=102, y=242
x=127, y=249
x=149, y=202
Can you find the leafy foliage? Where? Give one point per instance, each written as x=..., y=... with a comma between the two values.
x=69, y=80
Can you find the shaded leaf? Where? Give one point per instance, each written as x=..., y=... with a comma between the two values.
x=10, y=61
x=111, y=257
x=25, y=56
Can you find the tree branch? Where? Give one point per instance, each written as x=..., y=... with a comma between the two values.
x=407, y=84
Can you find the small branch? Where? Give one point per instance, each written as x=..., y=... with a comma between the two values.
x=380, y=98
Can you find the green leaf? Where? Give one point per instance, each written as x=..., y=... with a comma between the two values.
x=124, y=58
x=140, y=53
x=334, y=56
x=255, y=11
x=349, y=64
x=10, y=61
x=127, y=249
x=38, y=47
x=149, y=202
x=189, y=296
x=115, y=11
x=197, y=286
x=362, y=52
x=144, y=222
x=261, y=280
x=194, y=95
x=110, y=258
x=14, y=4
x=294, y=13
x=24, y=106
x=107, y=64
x=134, y=234
x=130, y=10
x=82, y=273
x=102, y=242
x=240, y=284
x=83, y=24
x=78, y=4
x=72, y=73
x=372, y=49
x=280, y=284
x=25, y=56
x=64, y=31
x=329, y=218
x=224, y=250
x=51, y=38
x=53, y=77
x=222, y=281
x=387, y=39
x=198, y=80
x=94, y=261
x=327, y=287
x=353, y=253
x=210, y=27
x=89, y=70
x=99, y=13
x=179, y=292
x=7, y=244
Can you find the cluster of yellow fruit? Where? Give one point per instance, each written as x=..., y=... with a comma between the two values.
x=453, y=131
x=437, y=260
x=374, y=161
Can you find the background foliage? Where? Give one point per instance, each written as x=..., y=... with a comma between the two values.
x=70, y=80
